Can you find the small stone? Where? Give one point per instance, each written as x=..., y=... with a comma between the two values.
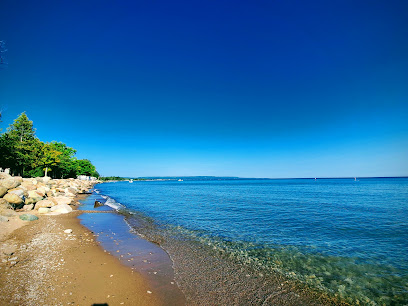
x=149, y=292
x=43, y=210
x=28, y=217
x=28, y=207
x=3, y=219
x=68, y=231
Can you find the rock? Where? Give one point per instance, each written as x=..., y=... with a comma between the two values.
x=9, y=250
x=3, y=219
x=97, y=204
x=28, y=217
x=13, y=198
x=10, y=183
x=68, y=231
x=8, y=213
x=62, y=200
x=18, y=179
x=34, y=197
x=29, y=201
x=18, y=192
x=71, y=190
x=3, y=191
x=4, y=175
x=28, y=207
x=4, y=204
x=44, y=203
x=61, y=209
x=43, y=210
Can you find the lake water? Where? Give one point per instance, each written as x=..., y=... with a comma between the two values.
x=344, y=237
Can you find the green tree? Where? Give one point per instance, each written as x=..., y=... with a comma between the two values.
x=20, y=145
x=66, y=167
x=22, y=129
x=48, y=157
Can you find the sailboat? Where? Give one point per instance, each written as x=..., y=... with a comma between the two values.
x=130, y=181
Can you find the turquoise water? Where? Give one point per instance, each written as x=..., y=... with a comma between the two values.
x=348, y=238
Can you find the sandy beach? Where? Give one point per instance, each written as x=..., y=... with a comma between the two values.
x=43, y=265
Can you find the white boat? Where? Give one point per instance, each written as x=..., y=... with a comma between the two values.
x=130, y=181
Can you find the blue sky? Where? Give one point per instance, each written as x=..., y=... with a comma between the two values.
x=250, y=89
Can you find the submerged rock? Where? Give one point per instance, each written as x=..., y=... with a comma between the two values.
x=97, y=204
x=28, y=217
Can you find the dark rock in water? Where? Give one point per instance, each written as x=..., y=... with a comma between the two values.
x=98, y=204
x=28, y=217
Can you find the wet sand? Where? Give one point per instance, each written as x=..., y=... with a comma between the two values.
x=43, y=265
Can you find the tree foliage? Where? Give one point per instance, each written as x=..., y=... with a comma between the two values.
x=26, y=155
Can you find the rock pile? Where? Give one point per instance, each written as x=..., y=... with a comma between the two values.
x=42, y=194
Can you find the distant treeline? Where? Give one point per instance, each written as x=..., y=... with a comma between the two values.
x=26, y=155
x=118, y=178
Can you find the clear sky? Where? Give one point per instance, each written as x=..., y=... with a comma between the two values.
x=226, y=88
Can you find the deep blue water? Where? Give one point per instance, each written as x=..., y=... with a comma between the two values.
x=348, y=237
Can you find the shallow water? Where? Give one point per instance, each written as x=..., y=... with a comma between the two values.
x=347, y=238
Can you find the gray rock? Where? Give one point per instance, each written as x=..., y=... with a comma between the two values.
x=28, y=217
x=3, y=191
x=3, y=219
x=18, y=192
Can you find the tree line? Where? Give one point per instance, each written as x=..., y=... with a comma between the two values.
x=26, y=155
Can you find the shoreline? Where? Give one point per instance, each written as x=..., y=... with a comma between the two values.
x=56, y=260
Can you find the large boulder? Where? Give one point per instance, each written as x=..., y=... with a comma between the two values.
x=10, y=183
x=3, y=219
x=62, y=200
x=3, y=191
x=4, y=175
x=61, y=209
x=13, y=198
x=17, y=191
x=34, y=196
x=44, y=203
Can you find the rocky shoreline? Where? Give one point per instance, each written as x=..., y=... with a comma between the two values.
x=42, y=194
x=48, y=258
